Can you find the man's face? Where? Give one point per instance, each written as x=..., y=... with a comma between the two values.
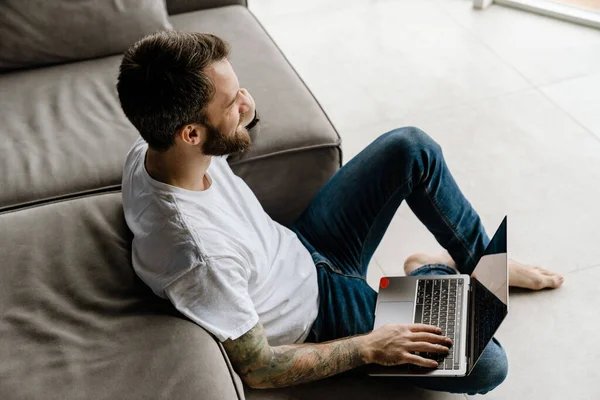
x=230, y=110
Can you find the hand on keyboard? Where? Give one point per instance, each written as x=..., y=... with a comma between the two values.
x=439, y=303
x=396, y=344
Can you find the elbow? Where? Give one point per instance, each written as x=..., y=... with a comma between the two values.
x=252, y=382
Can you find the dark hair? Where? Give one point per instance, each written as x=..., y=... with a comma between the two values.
x=162, y=83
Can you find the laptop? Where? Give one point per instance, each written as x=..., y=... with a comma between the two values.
x=468, y=308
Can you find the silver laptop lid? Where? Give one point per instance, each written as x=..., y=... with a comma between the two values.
x=489, y=295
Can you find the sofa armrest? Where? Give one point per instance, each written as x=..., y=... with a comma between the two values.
x=182, y=6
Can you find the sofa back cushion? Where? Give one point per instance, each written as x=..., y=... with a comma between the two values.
x=41, y=32
x=64, y=133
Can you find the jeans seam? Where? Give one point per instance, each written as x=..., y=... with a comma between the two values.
x=407, y=181
x=334, y=271
x=444, y=267
x=448, y=224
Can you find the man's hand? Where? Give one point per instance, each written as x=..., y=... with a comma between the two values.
x=248, y=116
x=394, y=345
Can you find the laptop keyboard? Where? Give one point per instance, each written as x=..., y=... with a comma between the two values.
x=439, y=303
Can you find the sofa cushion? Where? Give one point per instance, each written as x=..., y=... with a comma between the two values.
x=77, y=323
x=39, y=32
x=183, y=6
x=64, y=131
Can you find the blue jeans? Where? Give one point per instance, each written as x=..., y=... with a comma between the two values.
x=345, y=222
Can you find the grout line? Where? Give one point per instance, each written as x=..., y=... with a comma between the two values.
x=374, y=259
x=283, y=17
x=470, y=101
x=534, y=86
x=484, y=44
x=568, y=114
x=584, y=268
x=375, y=264
x=467, y=103
x=567, y=78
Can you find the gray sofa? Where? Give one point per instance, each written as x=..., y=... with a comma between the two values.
x=75, y=321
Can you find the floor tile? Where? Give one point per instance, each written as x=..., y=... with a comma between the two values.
x=542, y=49
x=580, y=97
x=374, y=274
x=517, y=155
x=380, y=60
x=551, y=341
x=271, y=10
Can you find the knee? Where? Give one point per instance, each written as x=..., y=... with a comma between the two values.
x=491, y=370
x=496, y=376
x=410, y=143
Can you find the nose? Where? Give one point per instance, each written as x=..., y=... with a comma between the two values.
x=245, y=104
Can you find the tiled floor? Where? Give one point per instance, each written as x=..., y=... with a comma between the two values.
x=514, y=100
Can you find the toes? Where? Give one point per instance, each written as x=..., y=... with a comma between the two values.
x=533, y=277
x=552, y=282
x=557, y=278
x=538, y=283
x=558, y=281
x=542, y=282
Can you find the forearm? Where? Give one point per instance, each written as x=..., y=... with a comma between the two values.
x=293, y=364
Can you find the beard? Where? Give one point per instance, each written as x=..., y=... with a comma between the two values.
x=219, y=144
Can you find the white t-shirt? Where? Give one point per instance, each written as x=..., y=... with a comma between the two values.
x=220, y=259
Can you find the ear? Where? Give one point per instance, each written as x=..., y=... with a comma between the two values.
x=191, y=134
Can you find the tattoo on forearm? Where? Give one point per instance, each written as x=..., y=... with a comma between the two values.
x=264, y=366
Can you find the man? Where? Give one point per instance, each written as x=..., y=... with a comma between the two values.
x=274, y=294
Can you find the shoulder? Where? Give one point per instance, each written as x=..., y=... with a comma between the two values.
x=165, y=250
x=135, y=154
x=147, y=212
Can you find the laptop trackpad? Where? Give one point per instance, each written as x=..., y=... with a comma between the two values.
x=394, y=312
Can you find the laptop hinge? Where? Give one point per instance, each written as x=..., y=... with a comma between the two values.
x=469, y=326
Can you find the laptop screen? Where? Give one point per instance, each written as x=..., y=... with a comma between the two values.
x=490, y=293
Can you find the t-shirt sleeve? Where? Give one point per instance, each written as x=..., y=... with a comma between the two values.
x=215, y=296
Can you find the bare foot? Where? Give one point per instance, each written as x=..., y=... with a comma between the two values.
x=519, y=275
x=532, y=277
x=418, y=260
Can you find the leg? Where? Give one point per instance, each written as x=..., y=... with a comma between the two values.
x=348, y=217
x=346, y=305
x=489, y=372
x=519, y=275
x=346, y=220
